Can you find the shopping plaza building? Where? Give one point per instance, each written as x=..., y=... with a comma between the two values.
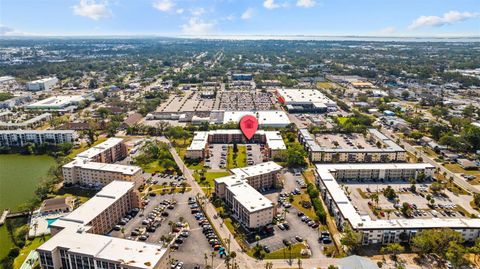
x=96, y=167
x=78, y=239
x=198, y=149
x=240, y=192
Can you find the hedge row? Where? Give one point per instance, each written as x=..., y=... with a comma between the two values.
x=317, y=204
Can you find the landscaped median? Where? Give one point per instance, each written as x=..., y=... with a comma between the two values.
x=294, y=251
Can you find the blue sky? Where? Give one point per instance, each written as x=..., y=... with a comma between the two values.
x=240, y=17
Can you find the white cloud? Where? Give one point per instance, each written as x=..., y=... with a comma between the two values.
x=270, y=4
x=164, y=5
x=386, y=31
x=247, y=14
x=197, y=26
x=92, y=9
x=447, y=18
x=179, y=11
x=306, y=3
x=196, y=12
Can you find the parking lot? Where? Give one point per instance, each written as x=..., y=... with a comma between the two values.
x=289, y=215
x=174, y=214
x=218, y=155
x=446, y=205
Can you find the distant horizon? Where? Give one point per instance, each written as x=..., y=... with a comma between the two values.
x=259, y=37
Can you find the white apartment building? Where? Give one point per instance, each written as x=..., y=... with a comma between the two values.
x=382, y=231
x=240, y=192
x=377, y=171
x=109, y=151
x=388, y=152
x=95, y=165
x=45, y=84
x=198, y=149
x=78, y=241
x=94, y=173
x=18, y=138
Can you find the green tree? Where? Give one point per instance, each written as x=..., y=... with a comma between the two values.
x=295, y=155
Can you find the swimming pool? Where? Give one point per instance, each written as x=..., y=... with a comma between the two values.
x=50, y=221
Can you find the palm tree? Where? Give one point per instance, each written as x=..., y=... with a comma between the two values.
x=299, y=263
x=268, y=265
x=290, y=253
x=171, y=223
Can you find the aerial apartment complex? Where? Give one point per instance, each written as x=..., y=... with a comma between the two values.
x=305, y=101
x=198, y=149
x=95, y=166
x=78, y=239
x=374, y=147
x=381, y=231
x=240, y=193
x=19, y=138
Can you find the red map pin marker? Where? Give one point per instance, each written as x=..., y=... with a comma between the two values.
x=249, y=125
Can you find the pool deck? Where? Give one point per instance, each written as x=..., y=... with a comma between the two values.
x=39, y=224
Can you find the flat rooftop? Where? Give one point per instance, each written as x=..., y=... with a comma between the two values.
x=97, y=204
x=200, y=139
x=37, y=131
x=106, y=167
x=255, y=170
x=57, y=101
x=304, y=96
x=352, y=142
x=265, y=118
x=95, y=150
x=249, y=197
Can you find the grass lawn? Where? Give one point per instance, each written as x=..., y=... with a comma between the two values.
x=284, y=253
x=84, y=147
x=456, y=168
x=342, y=120
x=309, y=176
x=82, y=194
x=430, y=152
x=153, y=167
x=29, y=246
x=297, y=202
x=210, y=176
x=240, y=161
x=325, y=85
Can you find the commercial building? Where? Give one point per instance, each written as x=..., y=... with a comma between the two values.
x=305, y=100
x=240, y=192
x=268, y=118
x=19, y=138
x=57, y=103
x=45, y=84
x=375, y=147
x=95, y=166
x=198, y=149
x=381, y=231
x=78, y=239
